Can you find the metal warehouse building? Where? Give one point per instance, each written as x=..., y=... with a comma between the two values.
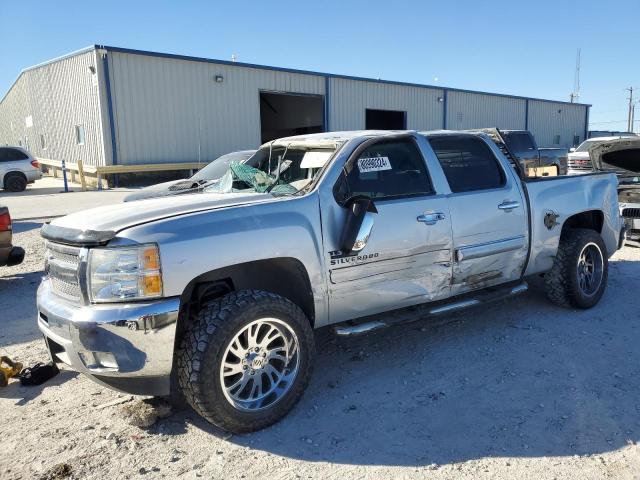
x=113, y=106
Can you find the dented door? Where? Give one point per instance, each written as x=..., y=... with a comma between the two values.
x=407, y=258
x=488, y=211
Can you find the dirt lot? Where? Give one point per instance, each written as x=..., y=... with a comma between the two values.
x=522, y=389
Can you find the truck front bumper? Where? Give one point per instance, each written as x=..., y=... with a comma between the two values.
x=128, y=347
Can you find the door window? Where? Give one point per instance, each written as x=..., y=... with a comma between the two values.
x=468, y=163
x=388, y=169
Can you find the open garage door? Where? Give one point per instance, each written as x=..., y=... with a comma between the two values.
x=385, y=120
x=286, y=114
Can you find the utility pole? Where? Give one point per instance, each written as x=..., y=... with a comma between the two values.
x=576, y=80
x=631, y=110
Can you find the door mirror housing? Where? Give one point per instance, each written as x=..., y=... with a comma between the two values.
x=572, y=149
x=358, y=225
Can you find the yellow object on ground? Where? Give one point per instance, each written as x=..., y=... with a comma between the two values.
x=8, y=369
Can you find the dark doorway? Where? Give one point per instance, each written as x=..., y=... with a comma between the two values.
x=286, y=114
x=385, y=120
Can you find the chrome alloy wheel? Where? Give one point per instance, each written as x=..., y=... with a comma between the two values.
x=259, y=364
x=590, y=269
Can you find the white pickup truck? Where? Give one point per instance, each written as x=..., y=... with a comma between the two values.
x=216, y=294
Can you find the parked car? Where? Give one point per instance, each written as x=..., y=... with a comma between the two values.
x=523, y=144
x=200, y=180
x=17, y=169
x=622, y=157
x=610, y=133
x=223, y=290
x=9, y=255
x=578, y=161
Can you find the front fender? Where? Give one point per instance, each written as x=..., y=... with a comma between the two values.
x=194, y=244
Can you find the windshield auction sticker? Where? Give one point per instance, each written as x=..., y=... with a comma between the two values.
x=373, y=164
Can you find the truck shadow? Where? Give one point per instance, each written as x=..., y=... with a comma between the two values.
x=24, y=395
x=18, y=306
x=521, y=378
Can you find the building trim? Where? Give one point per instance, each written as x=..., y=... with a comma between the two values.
x=444, y=108
x=322, y=74
x=327, y=99
x=112, y=127
x=586, y=124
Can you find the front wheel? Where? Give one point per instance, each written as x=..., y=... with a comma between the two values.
x=580, y=270
x=246, y=360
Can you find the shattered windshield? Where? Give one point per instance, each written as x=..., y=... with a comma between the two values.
x=280, y=170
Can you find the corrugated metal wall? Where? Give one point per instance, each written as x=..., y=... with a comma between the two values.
x=164, y=107
x=57, y=96
x=474, y=110
x=13, y=111
x=348, y=100
x=555, y=124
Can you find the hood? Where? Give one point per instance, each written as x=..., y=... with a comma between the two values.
x=157, y=190
x=621, y=156
x=98, y=225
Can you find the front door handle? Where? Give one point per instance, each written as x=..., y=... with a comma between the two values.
x=508, y=206
x=431, y=218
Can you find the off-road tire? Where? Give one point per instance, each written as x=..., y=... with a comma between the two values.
x=15, y=182
x=202, y=347
x=561, y=282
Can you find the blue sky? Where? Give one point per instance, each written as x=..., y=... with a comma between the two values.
x=522, y=48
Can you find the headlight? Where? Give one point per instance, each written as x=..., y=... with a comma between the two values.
x=130, y=273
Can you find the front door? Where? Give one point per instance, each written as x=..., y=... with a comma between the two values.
x=489, y=219
x=407, y=258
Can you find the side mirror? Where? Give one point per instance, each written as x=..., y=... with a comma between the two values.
x=572, y=149
x=359, y=224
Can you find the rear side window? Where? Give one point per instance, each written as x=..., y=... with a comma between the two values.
x=388, y=169
x=519, y=142
x=11, y=155
x=468, y=163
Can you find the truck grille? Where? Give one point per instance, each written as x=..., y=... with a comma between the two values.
x=62, y=264
x=579, y=164
x=631, y=212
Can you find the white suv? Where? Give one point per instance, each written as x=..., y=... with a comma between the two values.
x=17, y=168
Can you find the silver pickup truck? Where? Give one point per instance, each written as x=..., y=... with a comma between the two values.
x=216, y=294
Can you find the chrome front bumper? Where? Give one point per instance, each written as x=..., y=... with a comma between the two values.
x=127, y=346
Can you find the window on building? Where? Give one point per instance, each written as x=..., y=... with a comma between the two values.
x=43, y=142
x=468, y=163
x=556, y=140
x=80, y=134
x=389, y=169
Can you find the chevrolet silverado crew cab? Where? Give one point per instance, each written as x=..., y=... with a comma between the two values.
x=216, y=294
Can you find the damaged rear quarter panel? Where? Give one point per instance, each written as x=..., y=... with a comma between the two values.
x=566, y=196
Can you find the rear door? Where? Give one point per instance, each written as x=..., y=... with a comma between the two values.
x=489, y=219
x=407, y=257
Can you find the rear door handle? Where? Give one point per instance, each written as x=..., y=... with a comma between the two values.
x=431, y=218
x=508, y=206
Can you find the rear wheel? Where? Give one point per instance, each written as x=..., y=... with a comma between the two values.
x=580, y=270
x=246, y=360
x=15, y=182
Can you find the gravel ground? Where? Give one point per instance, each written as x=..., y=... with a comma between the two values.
x=520, y=389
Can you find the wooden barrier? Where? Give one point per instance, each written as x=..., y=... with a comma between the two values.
x=100, y=172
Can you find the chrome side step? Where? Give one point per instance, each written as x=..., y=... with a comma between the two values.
x=411, y=314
